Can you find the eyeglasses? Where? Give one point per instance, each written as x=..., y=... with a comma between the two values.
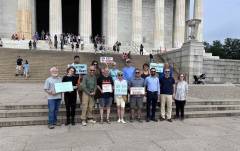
x=167, y=71
x=120, y=75
x=137, y=72
x=152, y=71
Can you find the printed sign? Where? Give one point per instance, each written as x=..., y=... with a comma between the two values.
x=63, y=87
x=137, y=90
x=157, y=66
x=107, y=88
x=80, y=68
x=120, y=88
x=106, y=59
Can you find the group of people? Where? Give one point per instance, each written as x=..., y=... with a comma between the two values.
x=22, y=68
x=100, y=83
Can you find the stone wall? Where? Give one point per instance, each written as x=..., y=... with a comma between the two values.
x=221, y=70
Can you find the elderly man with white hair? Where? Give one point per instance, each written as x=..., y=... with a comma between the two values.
x=54, y=99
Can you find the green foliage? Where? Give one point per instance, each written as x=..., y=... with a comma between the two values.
x=230, y=49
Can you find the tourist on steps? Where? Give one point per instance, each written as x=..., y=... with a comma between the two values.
x=26, y=69
x=54, y=99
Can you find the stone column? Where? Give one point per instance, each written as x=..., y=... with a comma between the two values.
x=159, y=24
x=24, y=19
x=137, y=21
x=179, y=24
x=198, y=14
x=112, y=17
x=187, y=17
x=55, y=18
x=85, y=20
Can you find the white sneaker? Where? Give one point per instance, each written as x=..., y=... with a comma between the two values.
x=123, y=121
x=119, y=120
x=91, y=121
x=84, y=123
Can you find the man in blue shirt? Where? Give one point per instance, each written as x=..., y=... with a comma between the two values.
x=167, y=94
x=128, y=71
x=153, y=91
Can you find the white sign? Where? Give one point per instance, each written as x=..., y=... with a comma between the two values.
x=63, y=87
x=106, y=59
x=137, y=90
x=157, y=66
x=107, y=88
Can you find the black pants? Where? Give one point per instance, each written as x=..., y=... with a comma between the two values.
x=152, y=98
x=70, y=103
x=180, y=108
x=141, y=52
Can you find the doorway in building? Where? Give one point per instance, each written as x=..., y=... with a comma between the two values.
x=97, y=17
x=42, y=15
x=70, y=16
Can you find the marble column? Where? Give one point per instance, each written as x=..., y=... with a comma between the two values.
x=179, y=24
x=187, y=17
x=55, y=18
x=112, y=17
x=85, y=20
x=198, y=14
x=24, y=19
x=159, y=24
x=137, y=21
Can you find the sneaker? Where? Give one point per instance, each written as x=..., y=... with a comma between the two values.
x=162, y=119
x=169, y=120
x=84, y=123
x=91, y=121
x=155, y=120
x=108, y=121
x=51, y=126
x=131, y=120
x=123, y=121
x=119, y=121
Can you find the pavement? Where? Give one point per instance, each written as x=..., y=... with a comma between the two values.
x=205, y=134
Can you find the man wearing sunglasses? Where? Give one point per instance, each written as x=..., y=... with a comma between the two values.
x=167, y=92
x=153, y=91
x=89, y=87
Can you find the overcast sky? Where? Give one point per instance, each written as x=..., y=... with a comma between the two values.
x=221, y=19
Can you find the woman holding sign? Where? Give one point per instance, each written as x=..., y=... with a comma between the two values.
x=120, y=92
x=70, y=98
x=105, y=86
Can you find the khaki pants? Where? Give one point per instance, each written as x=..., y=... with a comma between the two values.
x=87, y=106
x=166, y=100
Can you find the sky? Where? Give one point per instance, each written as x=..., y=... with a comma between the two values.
x=221, y=19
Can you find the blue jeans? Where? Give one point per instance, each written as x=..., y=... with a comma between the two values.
x=53, y=106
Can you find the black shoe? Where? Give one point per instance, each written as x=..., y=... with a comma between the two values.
x=131, y=120
x=139, y=120
x=67, y=122
x=169, y=120
x=182, y=118
x=147, y=120
x=162, y=119
x=155, y=120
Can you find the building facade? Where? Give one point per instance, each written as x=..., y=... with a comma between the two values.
x=155, y=23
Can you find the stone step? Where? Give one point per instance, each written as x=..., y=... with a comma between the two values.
x=26, y=121
x=189, y=103
x=44, y=112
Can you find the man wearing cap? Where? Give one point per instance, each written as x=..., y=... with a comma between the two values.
x=128, y=71
x=153, y=91
x=167, y=95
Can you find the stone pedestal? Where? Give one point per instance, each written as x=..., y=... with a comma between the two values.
x=55, y=18
x=112, y=17
x=85, y=20
x=179, y=24
x=137, y=21
x=24, y=19
x=198, y=14
x=159, y=24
